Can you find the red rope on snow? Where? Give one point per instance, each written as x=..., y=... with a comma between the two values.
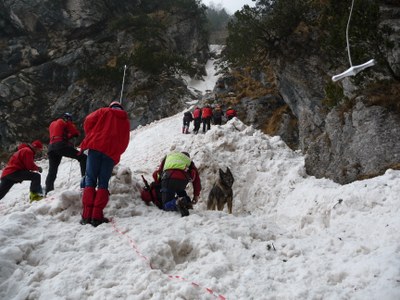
x=172, y=277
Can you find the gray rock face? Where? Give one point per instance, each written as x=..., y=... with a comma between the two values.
x=356, y=144
x=348, y=142
x=58, y=56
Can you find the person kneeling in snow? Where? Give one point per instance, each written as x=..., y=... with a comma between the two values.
x=107, y=137
x=175, y=172
x=20, y=167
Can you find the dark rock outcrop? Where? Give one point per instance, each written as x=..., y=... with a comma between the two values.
x=58, y=56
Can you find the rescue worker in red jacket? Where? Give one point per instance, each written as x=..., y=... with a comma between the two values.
x=175, y=172
x=61, y=131
x=20, y=167
x=230, y=113
x=107, y=137
x=196, y=119
x=206, y=115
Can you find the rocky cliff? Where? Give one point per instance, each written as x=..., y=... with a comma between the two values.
x=347, y=130
x=69, y=56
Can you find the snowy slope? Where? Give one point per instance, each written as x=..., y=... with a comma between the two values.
x=288, y=238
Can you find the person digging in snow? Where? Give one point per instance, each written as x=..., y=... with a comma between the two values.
x=107, y=137
x=20, y=167
x=175, y=172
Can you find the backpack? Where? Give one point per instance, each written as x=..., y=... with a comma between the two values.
x=151, y=193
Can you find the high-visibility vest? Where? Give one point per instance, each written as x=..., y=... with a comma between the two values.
x=177, y=160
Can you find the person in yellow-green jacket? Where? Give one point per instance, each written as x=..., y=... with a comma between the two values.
x=175, y=172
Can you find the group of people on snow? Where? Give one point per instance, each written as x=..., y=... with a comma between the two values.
x=205, y=116
x=106, y=138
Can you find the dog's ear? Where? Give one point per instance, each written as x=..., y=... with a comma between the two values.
x=228, y=171
x=221, y=173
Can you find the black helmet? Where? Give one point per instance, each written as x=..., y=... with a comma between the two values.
x=67, y=116
x=115, y=105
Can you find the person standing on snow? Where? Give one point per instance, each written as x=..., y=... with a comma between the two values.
x=61, y=131
x=217, y=115
x=107, y=137
x=206, y=115
x=175, y=172
x=21, y=167
x=196, y=119
x=187, y=118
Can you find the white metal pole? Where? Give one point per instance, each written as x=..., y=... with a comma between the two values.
x=122, y=88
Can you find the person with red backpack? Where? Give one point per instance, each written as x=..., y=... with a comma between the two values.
x=230, y=113
x=107, y=137
x=206, y=115
x=196, y=119
x=61, y=131
x=175, y=172
x=20, y=167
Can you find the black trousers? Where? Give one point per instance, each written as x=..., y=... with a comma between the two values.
x=197, y=123
x=8, y=181
x=218, y=120
x=206, y=124
x=171, y=187
x=55, y=157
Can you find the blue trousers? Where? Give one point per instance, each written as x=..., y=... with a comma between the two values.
x=98, y=169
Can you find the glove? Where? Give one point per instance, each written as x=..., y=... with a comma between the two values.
x=195, y=199
x=40, y=170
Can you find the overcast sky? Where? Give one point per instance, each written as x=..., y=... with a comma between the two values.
x=230, y=5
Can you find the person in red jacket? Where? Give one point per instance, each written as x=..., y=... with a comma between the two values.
x=196, y=119
x=175, y=172
x=230, y=113
x=206, y=115
x=20, y=167
x=61, y=131
x=107, y=137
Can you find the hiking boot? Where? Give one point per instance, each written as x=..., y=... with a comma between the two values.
x=96, y=222
x=35, y=197
x=181, y=205
x=84, y=221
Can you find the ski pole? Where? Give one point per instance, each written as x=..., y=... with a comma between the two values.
x=122, y=88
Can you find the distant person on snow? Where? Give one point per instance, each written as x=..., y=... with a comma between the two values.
x=217, y=115
x=175, y=172
x=20, y=167
x=187, y=118
x=196, y=119
x=230, y=113
x=107, y=137
x=61, y=132
x=206, y=115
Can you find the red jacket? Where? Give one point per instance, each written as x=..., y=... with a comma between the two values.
x=192, y=174
x=231, y=113
x=107, y=131
x=206, y=112
x=197, y=113
x=23, y=159
x=61, y=130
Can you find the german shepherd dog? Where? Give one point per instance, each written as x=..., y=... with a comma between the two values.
x=221, y=192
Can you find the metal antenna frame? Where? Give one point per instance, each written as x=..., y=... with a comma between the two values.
x=353, y=70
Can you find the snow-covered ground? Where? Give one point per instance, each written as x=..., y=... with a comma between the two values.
x=291, y=236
